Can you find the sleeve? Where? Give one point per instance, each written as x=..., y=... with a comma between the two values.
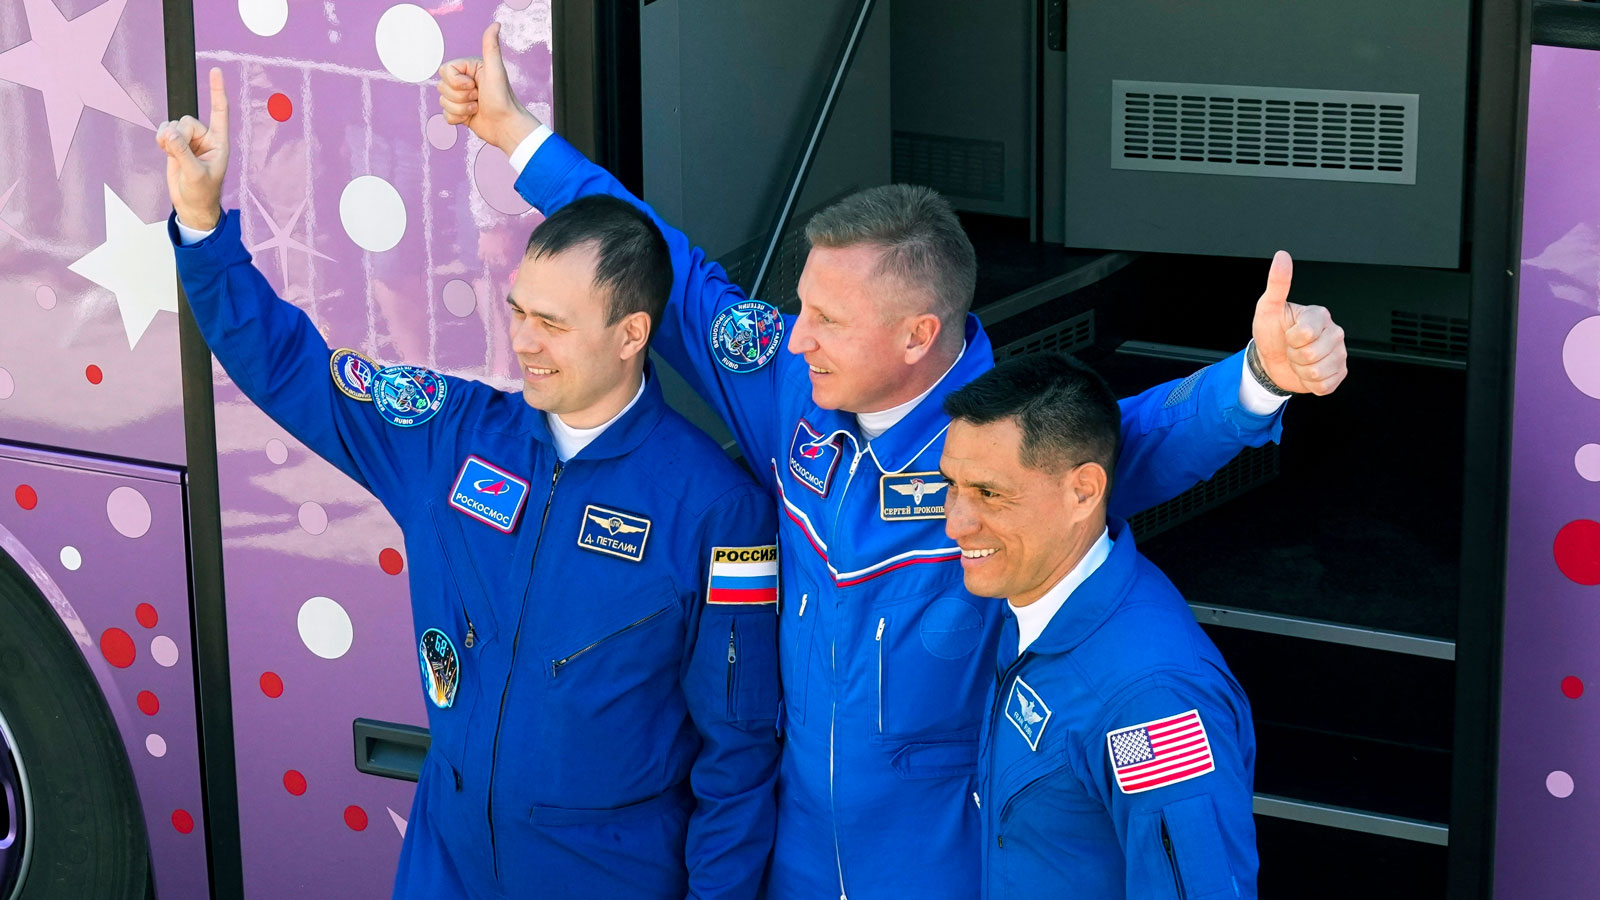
x=731, y=684
x=1178, y=434
x=1184, y=817
x=275, y=355
x=559, y=174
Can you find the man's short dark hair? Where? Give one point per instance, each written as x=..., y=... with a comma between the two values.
x=1066, y=411
x=633, y=265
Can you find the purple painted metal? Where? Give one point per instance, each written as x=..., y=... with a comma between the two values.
x=315, y=107
x=99, y=541
x=1549, y=772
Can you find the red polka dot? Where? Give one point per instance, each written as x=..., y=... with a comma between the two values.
x=356, y=818
x=117, y=647
x=390, y=561
x=1578, y=551
x=183, y=822
x=146, y=614
x=148, y=704
x=1572, y=686
x=94, y=374
x=279, y=107
x=271, y=685
x=294, y=782
x=27, y=497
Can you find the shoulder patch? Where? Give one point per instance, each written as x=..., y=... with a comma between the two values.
x=743, y=576
x=408, y=395
x=613, y=532
x=1159, y=753
x=489, y=494
x=911, y=495
x=746, y=335
x=1027, y=712
x=352, y=374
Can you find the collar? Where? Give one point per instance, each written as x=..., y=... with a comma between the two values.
x=875, y=423
x=570, y=441
x=1093, y=601
x=1034, y=618
x=624, y=433
x=899, y=447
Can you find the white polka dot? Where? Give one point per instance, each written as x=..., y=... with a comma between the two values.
x=441, y=134
x=7, y=386
x=164, y=651
x=1559, y=784
x=372, y=213
x=1588, y=461
x=313, y=518
x=129, y=512
x=460, y=298
x=325, y=628
x=71, y=559
x=264, y=17
x=45, y=296
x=277, y=451
x=410, y=44
x=496, y=181
x=157, y=745
x=1581, y=356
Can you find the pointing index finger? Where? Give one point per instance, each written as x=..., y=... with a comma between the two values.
x=219, y=106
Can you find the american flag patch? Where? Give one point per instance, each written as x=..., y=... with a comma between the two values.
x=744, y=575
x=1160, y=753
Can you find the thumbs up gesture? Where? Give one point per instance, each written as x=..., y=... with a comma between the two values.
x=197, y=159
x=476, y=92
x=1301, y=348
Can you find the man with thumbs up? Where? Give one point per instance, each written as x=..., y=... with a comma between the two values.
x=887, y=659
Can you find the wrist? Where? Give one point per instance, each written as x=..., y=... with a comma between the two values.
x=200, y=219
x=523, y=123
x=1258, y=370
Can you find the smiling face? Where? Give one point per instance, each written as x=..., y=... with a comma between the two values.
x=574, y=364
x=1020, y=529
x=857, y=331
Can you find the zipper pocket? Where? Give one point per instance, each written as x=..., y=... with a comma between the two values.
x=879, y=639
x=556, y=664
x=472, y=635
x=733, y=659
x=1172, y=860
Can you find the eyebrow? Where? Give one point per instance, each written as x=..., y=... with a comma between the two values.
x=540, y=315
x=975, y=485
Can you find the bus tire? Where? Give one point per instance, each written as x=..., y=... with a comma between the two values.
x=85, y=832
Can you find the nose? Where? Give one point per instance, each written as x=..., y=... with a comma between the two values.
x=959, y=521
x=524, y=338
x=800, y=340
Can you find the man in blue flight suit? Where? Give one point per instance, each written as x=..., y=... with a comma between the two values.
x=593, y=582
x=1117, y=748
x=886, y=658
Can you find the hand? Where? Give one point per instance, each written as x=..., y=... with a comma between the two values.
x=476, y=92
x=197, y=159
x=1300, y=346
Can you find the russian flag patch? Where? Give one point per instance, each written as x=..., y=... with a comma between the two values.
x=744, y=576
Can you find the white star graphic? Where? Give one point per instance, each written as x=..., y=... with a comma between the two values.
x=399, y=821
x=136, y=263
x=4, y=199
x=63, y=61
x=281, y=240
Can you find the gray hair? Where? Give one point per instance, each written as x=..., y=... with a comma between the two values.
x=923, y=242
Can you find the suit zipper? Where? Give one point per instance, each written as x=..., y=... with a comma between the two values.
x=516, y=638
x=879, y=639
x=733, y=658
x=1172, y=860
x=833, y=664
x=556, y=664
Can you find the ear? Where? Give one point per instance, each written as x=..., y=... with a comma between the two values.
x=635, y=334
x=921, y=336
x=1085, y=489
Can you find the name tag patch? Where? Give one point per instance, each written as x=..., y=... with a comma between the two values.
x=613, y=532
x=812, y=457
x=441, y=667
x=352, y=374
x=1025, y=709
x=408, y=395
x=744, y=576
x=911, y=495
x=489, y=494
x=746, y=335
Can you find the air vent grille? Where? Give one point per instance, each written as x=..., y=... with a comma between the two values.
x=956, y=167
x=1225, y=129
x=1253, y=467
x=1067, y=336
x=1428, y=334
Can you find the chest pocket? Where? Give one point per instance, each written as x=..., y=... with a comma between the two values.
x=928, y=666
x=460, y=609
x=796, y=625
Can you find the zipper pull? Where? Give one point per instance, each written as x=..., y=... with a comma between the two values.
x=733, y=656
x=880, y=631
x=803, y=599
x=472, y=636
x=976, y=800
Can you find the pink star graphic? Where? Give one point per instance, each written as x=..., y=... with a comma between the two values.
x=63, y=61
x=4, y=199
x=281, y=239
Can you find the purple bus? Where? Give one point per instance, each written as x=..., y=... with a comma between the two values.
x=208, y=687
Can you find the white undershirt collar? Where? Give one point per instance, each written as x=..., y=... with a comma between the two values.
x=875, y=423
x=1035, y=617
x=570, y=441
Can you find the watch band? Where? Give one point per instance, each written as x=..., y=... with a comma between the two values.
x=1252, y=358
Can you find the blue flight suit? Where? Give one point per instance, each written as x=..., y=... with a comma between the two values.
x=886, y=659
x=1117, y=751
x=613, y=730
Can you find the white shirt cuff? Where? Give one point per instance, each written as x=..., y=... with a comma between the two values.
x=529, y=146
x=187, y=235
x=1253, y=397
